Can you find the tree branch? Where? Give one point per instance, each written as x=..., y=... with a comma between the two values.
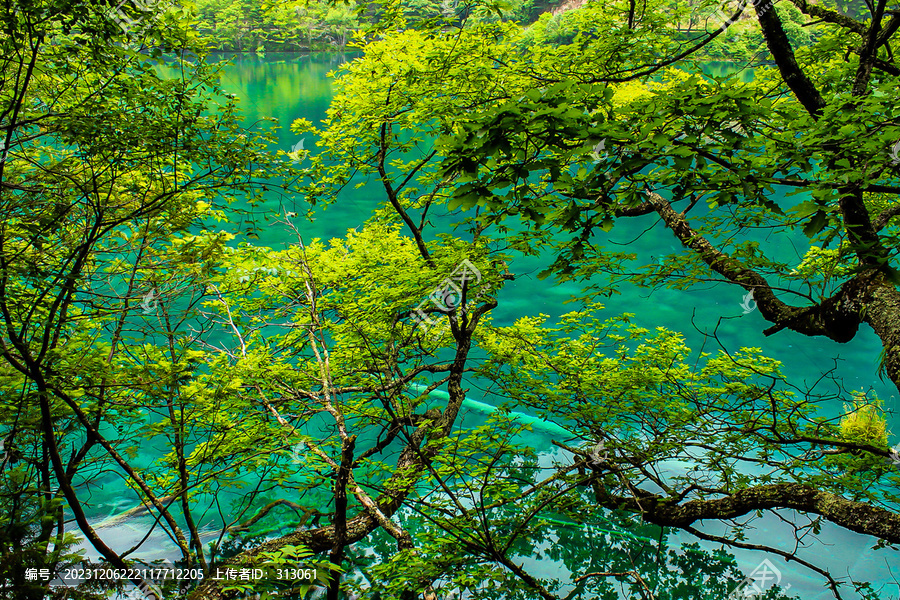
x=836, y=317
x=859, y=517
x=783, y=53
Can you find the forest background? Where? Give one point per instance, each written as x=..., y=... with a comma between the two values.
x=317, y=25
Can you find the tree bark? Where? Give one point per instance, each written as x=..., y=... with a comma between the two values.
x=855, y=516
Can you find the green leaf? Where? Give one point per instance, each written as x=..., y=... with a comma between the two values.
x=815, y=224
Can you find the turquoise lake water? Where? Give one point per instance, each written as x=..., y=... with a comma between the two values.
x=289, y=87
x=292, y=86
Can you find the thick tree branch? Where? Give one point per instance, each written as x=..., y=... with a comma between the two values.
x=859, y=517
x=340, y=513
x=835, y=317
x=880, y=306
x=381, y=158
x=889, y=30
x=886, y=215
x=783, y=53
x=411, y=465
x=868, y=52
x=829, y=16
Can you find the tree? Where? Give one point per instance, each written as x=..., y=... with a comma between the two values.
x=105, y=168
x=310, y=397
x=341, y=22
x=116, y=285
x=715, y=142
x=572, y=138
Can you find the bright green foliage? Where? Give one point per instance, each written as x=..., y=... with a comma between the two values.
x=744, y=41
x=544, y=138
x=865, y=423
x=289, y=402
x=105, y=169
x=599, y=379
x=604, y=381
